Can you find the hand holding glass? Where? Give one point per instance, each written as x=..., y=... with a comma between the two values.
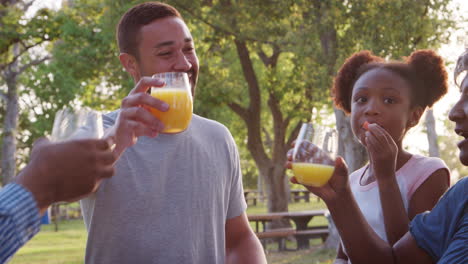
x=312, y=165
x=177, y=93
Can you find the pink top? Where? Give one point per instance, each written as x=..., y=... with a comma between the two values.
x=409, y=177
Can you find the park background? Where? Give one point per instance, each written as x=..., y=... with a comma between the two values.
x=265, y=66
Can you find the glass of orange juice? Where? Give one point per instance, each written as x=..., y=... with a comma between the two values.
x=314, y=154
x=177, y=93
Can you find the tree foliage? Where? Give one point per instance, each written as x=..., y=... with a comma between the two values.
x=20, y=37
x=264, y=64
x=278, y=58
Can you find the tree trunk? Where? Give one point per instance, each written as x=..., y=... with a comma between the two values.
x=432, y=134
x=353, y=152
x=10, y=124
x=260, y=188
x=270, y=168
x=277, y=190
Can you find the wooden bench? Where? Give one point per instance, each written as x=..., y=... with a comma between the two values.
x=298, y=195
x=280, y=234
x=250, y=196
x=314, y=232
x=301, y=232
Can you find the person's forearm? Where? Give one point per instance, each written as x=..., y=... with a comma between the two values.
x=19, y=219
x=395, y=216
x=247, y=251
x=362, y=244
x=42, y=194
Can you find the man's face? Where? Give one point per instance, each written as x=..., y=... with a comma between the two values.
x=166, y=45
x=459, y=115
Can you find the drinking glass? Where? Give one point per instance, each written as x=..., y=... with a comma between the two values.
x=77, y=124
x=314, y=154
x=177, y=93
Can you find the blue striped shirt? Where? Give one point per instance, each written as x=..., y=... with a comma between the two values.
x=19, y=219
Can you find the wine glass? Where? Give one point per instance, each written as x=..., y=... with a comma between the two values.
x=77, y=124
x=177, y=93
x=314, y=154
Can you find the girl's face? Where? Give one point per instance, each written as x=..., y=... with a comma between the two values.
x=383, y=97
x=459, y=114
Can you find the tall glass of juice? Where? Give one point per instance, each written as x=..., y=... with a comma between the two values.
x=177, y=93
x=314, y=153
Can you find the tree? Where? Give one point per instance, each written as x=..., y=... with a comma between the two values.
x=83, y=67
x=265, y=65
x=431, y=134
x=253, y=71
x=18, y=37
x=274, y=45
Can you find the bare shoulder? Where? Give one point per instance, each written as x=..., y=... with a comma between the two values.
x=429, y=192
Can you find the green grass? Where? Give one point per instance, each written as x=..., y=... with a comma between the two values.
x=67, y=246
x=314, y=255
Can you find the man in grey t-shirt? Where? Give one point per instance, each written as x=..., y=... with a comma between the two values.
x=175, y=198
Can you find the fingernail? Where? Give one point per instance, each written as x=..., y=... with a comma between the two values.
x=164, y=107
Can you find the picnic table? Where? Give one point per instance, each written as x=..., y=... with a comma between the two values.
x=300, y=218
x=251, y=195
x=299, y=194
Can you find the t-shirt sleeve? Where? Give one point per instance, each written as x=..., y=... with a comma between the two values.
x=457, y=251
x=109, y=119
x=237, y=204
x=435, y=231
x=424, y=168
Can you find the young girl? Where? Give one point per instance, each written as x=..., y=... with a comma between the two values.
x=385, y=100
x=440, y=235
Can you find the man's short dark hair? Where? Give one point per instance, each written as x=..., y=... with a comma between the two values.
x=135, y=18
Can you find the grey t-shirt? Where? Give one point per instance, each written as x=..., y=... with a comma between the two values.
x=169, y=199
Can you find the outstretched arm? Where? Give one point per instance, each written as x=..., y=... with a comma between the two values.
x=19, y=219
x=362, y=244
x=242, y=246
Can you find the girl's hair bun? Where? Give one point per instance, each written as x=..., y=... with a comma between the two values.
x=347, y=76
x=430, y=70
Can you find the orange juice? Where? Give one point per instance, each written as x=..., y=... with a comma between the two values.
x=178, y=117
x=312, y=174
